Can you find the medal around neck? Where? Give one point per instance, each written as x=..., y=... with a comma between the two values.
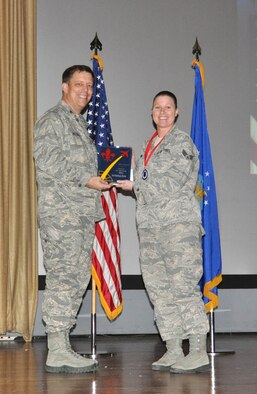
x=144, y=174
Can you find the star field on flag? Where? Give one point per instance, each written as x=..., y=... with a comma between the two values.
x=98, y=118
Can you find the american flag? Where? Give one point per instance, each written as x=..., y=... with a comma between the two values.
x=106, y=268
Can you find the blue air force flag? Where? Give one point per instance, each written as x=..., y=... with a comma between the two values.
x=206, y=193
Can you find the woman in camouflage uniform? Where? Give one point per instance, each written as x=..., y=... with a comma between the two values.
x=170, y=231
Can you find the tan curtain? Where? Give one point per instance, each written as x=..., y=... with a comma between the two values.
x=18, y=227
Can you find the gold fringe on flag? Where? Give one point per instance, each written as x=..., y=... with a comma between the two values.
x=199, y=64
x=99, y=59
x=213, y=303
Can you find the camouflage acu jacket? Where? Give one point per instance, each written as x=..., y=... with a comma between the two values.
x=167, y=194
x=65, y=158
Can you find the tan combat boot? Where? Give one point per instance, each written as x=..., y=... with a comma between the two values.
x=173, y=354
x=62, y=359
x=197, y=360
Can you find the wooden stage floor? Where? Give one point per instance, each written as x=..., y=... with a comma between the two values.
x=126, y=369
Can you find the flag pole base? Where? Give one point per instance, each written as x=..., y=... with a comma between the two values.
x=221, y=353
x=212, y=351
x=99, y=355
x=94, y=354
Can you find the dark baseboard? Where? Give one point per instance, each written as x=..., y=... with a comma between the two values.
x=135, y=282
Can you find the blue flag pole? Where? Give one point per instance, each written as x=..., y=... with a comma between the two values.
x=206, y=193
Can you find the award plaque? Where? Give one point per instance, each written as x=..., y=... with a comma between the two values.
x=114, y=163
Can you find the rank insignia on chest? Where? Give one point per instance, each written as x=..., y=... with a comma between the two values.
x=186, y=155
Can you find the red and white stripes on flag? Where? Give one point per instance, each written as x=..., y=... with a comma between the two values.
x=106, y=269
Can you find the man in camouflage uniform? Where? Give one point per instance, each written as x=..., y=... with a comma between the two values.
x=169, y=229
x=69, y=204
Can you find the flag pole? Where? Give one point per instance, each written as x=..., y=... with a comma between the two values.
x=211, y=340
x=93, y=320
x=211, y=350
x=95, y=45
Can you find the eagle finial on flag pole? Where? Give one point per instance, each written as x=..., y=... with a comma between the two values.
x=96, y=44
x=197, y=51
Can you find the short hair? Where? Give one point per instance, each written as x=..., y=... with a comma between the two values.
x=169, y=94
x=68, y=73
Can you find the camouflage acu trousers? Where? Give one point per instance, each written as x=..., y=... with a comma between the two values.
x=67, y=247
x=171, y=264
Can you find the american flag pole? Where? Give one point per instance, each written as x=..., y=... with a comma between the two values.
x=106, y=269
x=95, y=44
